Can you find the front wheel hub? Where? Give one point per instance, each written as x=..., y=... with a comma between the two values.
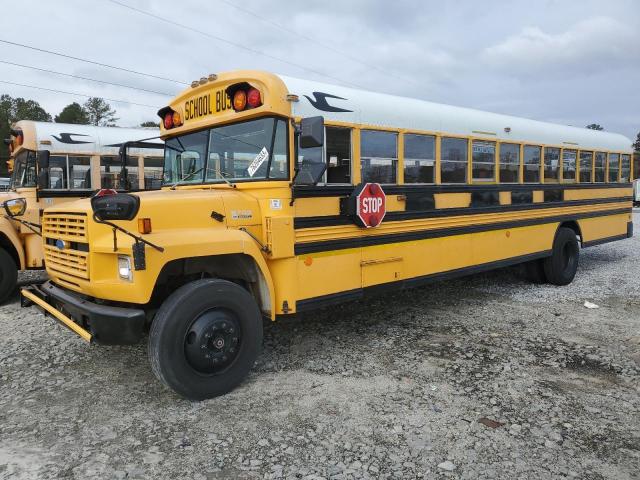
x=212, y=341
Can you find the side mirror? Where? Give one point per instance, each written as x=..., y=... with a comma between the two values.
x=311, y=132
x=15, y=207
x=119, y=206
x=42, y=158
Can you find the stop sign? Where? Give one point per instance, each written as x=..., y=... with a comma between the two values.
x=371, y=205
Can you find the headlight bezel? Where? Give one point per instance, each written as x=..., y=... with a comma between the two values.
x=125, y=270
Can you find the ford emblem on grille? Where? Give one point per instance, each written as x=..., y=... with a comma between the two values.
x=61, y=244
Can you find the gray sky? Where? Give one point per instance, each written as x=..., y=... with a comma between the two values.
x=571, y=62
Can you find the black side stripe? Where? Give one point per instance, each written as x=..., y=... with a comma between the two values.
x=310, y=191
x=333, y=220
x=341, y=244
x=358, y=293
x=601, y=241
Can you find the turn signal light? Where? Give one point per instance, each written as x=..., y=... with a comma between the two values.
x=239, y=100
x=144, y=225
x=177, y=119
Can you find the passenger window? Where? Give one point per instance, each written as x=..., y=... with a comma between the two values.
x=109, y=172
x=453, y=161
x=378, y=156
x=338, y=155
x=625, y=168
x=153, y=172
x=419, y=158
x=483, y=161
x=551, y=164
x=569, y=165
x=58, y=172
x=509, y=162
x=586, y=164
x=131, y=174
x=601, y=162
x=80, y=173
x=614, y=167
x=531, y=164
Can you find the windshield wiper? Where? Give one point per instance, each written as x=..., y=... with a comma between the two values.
x=186, y=177
x=223, y=176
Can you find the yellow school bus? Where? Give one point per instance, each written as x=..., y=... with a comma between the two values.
x=282, y=195
x=54, y=163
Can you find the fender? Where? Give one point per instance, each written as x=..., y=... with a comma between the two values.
x=8, y=229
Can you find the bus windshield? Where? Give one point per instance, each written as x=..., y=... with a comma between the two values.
x=252, y=150
x=24, y=170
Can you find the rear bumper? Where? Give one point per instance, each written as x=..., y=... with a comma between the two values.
x=93, y=322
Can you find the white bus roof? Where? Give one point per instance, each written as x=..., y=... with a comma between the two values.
x=343, y=104
x=83, y=139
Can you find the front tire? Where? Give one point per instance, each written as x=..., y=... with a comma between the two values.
x=205, y=338
x=8, y=275
x=560, y=268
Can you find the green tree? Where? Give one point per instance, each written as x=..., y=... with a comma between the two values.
x=149, y=123
x=636, y=145
x=594, y=126
x=73, y=113
x=100, y=112
x=14, y=109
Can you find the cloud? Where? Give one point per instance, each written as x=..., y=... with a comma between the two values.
x=592, y=45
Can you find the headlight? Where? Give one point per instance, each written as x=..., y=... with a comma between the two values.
x=124, y=267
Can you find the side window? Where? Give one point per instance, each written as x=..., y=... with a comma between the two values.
x=132, y=172
x=484, y=161
x=338, y=155
x=509, y=162
x=153, y=172
x=58, y=172
x=586, y=164
x=109, y=172
x=569, y=165
x=625, y=168
x=80, y=173
x=531, y=164
x=378, y=156
x=453, y=161
x=601, y=163
x=551, y=164
x=614, y=166
x=419, y=158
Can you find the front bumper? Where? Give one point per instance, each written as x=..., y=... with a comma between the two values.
x=93, y=322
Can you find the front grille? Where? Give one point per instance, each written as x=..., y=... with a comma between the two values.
x=66, y=245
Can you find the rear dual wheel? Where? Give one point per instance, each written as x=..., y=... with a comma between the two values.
x=560, y=268
x=8, y=275
x=205, y=338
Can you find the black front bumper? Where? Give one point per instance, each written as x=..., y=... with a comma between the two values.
x=108, y=325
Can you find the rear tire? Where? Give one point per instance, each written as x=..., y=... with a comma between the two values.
x=205, y=338
x=533, y=271
x=8, y=275
x=560, y=268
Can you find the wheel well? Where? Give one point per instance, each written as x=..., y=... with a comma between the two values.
x=573, y=225
x=6, y=244
x=237, y=268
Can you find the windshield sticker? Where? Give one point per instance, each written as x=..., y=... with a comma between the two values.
x=258, y=161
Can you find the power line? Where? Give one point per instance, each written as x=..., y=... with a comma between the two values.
x=30, y=47
x=229, y=42
x=317, y=42
x=76, y=94
x=87, y=78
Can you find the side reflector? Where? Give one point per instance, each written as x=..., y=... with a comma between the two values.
x=239, y=100
x=144, y=225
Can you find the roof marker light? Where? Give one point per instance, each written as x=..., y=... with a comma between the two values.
x=213, y=77
x=203, y=80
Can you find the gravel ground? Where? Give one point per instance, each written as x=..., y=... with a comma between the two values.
x=482, y=377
